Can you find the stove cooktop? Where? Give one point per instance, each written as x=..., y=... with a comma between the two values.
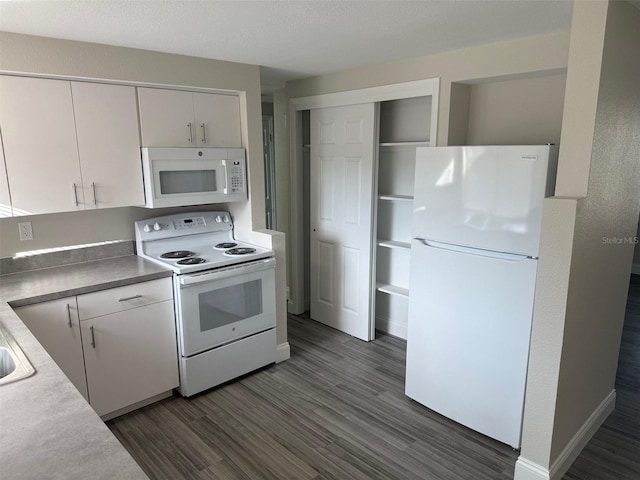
x=194, y=242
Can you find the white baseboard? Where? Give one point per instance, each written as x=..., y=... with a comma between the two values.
x=395, y=328
x=283, y=352
x=635, y=268
x=527, y=470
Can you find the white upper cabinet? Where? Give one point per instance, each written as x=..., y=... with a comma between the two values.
x=174, y=118
x=217, y=120
x=5, y=199
x=69, y=145
x=109, y=144
x=41, y=153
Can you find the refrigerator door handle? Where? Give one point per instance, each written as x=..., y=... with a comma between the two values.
x=511, y=257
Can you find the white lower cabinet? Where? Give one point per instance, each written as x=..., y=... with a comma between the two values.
x=117, y=346
x=130, y=356
x=56, y=326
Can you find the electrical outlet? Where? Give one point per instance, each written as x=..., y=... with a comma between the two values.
x=25, y=230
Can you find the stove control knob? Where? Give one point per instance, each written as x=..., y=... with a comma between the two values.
x=157, y=227
x=225, y=219
x=146, y=228
x=218, y=219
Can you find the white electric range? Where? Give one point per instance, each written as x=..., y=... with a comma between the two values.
x=224, y=295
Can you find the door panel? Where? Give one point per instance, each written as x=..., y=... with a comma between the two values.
x=217, y=120
x=468, y=337
x=487, y=197
x=166, y=118
x=57, y=327
x=342, y=159
x=5, y=199
x=39, y=139
x=109, y=145
x=130, y=356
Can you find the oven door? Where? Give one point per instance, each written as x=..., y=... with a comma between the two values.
x=220, y=306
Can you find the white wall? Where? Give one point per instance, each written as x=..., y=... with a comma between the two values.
x=583, y=279
x=516, y=112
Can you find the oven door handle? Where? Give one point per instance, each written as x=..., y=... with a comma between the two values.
x=232, y=271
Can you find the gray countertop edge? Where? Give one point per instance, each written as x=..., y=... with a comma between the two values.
x=22, y=302
x=47, y=429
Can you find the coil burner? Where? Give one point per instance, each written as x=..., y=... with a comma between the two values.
x=240, y=251
x=178, y=254
x=225, y=245
x=191, y=261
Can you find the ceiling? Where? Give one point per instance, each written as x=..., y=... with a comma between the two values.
x=289, y=39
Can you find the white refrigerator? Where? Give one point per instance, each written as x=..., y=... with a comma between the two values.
x=476, y=230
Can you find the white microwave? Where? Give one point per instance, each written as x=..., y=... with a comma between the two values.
x=175, y=177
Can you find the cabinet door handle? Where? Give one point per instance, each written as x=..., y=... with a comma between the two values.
x=204, y=132
x=75, y=194
x=69, y=315
x=129, y=298
x=93, y=337
x=189, y=134
x=93, y=189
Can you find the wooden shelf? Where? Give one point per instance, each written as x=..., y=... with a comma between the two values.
x=392, y=290
x=395, y=198
x=394, y=244
x=425, y=143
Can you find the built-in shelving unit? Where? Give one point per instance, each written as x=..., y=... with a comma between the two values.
x=405, y=125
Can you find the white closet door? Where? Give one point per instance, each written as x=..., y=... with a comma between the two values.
x=342, y=149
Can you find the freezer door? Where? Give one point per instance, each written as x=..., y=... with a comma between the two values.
x=487, y=197
x=468, y=337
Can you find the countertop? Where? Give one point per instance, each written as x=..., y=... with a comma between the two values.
x=47, y=429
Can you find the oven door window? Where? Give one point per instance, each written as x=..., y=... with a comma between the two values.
x=230, y=304
x=187, y=181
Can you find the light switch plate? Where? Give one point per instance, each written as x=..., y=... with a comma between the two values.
x=25, y=230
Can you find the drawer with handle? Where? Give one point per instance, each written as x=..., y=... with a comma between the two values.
x=118, y=299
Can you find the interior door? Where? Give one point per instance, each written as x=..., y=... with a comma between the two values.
x=341, y=184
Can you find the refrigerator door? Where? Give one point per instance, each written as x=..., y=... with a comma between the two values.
x=468, y=337
x=487, y=197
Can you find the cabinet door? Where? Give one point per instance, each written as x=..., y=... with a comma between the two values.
x=109, y=145
x=5, y=199
x=56, y=326
x=217, y=120
x=130, y=356
x=39, y=137
x=166, y=118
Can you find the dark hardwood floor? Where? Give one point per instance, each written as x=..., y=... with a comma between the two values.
x=337, y=410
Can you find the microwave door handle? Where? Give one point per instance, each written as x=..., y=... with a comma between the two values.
x=226, y=177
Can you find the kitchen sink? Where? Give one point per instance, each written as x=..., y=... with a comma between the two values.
x=13, y=362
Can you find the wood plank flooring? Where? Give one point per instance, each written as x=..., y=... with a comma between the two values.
x=337, y=410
